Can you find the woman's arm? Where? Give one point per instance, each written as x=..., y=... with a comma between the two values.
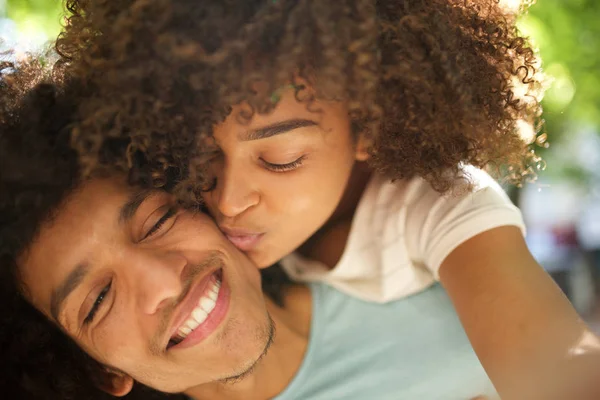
x=529, y=339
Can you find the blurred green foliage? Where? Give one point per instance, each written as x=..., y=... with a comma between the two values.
x=35, y=16
x=567, y=33
x=568, y=36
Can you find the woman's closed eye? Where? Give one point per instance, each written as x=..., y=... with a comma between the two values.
x=284, y=167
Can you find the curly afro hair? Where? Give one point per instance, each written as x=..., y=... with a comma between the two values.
x=434, y=83
x=38, y=170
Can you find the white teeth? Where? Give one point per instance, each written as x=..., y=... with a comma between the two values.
x=191, y=324
x=205, y=306
x=199, y=315
x=185, y=330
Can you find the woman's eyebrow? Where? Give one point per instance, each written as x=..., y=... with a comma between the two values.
x=275, y=129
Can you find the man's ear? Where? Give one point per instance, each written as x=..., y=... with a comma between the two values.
x=116, y=383
x=363, y=145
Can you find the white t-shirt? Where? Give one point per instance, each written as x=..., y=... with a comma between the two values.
x=403, y=230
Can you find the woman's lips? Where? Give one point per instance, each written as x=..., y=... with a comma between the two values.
x=243, y=240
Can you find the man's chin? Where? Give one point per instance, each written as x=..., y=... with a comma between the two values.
x=268, y=336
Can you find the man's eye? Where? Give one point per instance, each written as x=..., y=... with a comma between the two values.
x=284, y=167
x=90, y=317
x=166, y=216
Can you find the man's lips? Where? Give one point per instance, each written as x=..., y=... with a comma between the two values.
x=243, y=239
x=206, y=318
x=189, y=303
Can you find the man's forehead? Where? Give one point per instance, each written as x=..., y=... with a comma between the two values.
x=92, y=192
x=106, y=196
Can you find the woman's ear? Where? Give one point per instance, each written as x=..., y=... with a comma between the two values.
x=116, y=383
x=363, y=145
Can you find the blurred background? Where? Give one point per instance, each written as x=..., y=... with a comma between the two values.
x=562, y=208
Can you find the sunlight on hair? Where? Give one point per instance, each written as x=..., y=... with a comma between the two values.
x=515, y=5
x=511, y=5
x=526, y=130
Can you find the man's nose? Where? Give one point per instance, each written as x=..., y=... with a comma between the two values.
x=235, y=192
x=157, y=278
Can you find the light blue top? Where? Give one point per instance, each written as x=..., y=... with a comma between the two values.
x=414, y=349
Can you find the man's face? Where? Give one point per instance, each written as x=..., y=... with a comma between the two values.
x=146, y=288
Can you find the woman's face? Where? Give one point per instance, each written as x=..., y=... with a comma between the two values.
x=280, y=177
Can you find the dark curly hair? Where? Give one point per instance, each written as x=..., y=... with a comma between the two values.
x=38, y=170
x=433, y=83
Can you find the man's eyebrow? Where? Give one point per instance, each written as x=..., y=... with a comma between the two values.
x=71, y=282
x=129, y=209
x=275, y=129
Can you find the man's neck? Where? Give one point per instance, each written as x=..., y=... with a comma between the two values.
x=273, y=373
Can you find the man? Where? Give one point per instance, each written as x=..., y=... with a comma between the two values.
x=106, y=285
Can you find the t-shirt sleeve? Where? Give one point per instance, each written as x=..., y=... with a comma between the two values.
x=438, y=223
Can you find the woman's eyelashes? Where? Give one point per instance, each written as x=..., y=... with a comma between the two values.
x=284, y=167
x=170, y=213
x=90, y=317
x=211, y=184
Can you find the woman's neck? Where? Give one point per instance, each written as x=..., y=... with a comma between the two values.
x=359, y=178
x=328, y=243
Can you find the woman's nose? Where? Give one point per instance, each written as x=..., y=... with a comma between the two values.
x=235, y=193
